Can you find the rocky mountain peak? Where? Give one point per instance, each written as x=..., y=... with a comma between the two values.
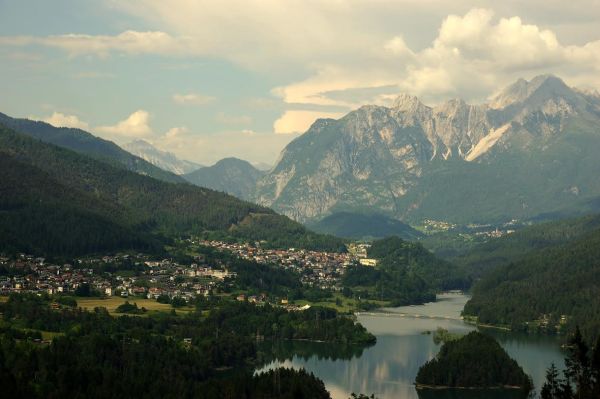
x=540, y=89
x=163, y=159
x=407, y=103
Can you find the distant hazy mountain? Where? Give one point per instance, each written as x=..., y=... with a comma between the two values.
x=87, y=144
x=230, y=175
x=533, y=149
x=162, y=159
x=358, y=226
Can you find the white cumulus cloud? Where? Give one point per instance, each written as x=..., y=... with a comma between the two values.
x=299, y=121
x=59, y=119
x=135, y=125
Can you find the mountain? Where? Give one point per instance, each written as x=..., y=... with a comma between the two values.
x=57, y=201
x=164, y=160
x=360, y=226
x=554, y=289
x=87, y=144
x=231, y=175
x=532, y=149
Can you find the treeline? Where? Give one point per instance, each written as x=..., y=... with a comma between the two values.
x=535, y=292
x=97, y=366
x=226, y=320
x=473, y=361
x=406, y=273
x=158, y=355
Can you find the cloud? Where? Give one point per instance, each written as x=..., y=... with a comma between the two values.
x=176, y=132
x=223, y=118
x=473, y=55
x=292, y=122
x=128, y=42
x=134, y=126
x=193, y=99
x=93, y=75
x=207, y=148
x=368, y=44
x=59, y=119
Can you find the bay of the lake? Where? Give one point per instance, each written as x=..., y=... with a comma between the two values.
x=388, y=368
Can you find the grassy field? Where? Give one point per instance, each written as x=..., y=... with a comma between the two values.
x=113, y=302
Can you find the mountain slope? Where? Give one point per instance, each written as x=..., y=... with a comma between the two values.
x=405, y=274
x=531, y=150
x=164, y=160
x=358, y=226
x=87, y=144
x=537, y=290
x=231, y=175
x=516, y=246
x=137, y=202
x=40, y=215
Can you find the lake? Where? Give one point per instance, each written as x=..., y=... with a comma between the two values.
x=388, y=368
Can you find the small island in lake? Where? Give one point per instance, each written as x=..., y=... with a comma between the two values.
x=473, y=361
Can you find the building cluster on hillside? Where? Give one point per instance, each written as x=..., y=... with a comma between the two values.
x=122, y=275
x=317, y=269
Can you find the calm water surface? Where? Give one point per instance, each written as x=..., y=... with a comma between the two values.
x=389, y=368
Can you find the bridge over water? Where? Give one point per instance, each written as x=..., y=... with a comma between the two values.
x=408, y=315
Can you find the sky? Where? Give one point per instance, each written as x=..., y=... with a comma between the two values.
x=210, y=79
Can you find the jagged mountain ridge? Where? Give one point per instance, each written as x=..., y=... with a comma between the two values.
x=517, y=156
x=163, y=159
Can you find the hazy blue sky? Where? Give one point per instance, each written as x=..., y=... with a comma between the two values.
x=209, y=79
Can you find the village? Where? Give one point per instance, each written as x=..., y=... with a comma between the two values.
x=141, y=275
x=317, y=269
x=115, y=275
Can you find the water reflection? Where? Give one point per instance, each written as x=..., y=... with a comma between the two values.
x=388, y=369
x=471, y=394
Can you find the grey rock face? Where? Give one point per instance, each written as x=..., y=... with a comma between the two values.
x=375, y=157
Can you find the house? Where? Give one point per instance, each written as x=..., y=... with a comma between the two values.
x=368, y=262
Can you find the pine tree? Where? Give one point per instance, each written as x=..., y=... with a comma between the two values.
x=578, y=365
x=552, y=388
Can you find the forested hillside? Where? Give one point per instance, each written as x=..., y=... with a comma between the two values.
x=535, y=292
x=406, y=273
x=59, y=180
x=85, y=143
x=364, y=226
x=515, y=246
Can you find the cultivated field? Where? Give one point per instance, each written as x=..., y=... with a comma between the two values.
x=113, y=302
